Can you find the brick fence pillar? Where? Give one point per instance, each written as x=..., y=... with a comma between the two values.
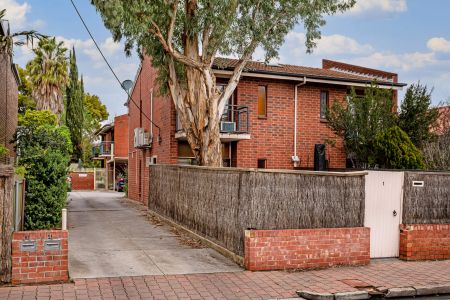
x=40, y=256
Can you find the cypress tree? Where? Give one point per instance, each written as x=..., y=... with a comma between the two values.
x=74, y=112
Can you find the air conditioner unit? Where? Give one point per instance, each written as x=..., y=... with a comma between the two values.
x=227, y=126
x=138, y=137
x=147, y=139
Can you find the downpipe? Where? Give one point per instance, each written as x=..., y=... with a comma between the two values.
x=295, y=158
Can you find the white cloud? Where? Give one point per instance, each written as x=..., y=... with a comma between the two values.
x=397, y=62
x=16, y=13
x=363, y=7
x=328, y=44
x=439, y=44
x=87, y=47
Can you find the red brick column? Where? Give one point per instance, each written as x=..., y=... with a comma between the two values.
x=424, y=241
x=306, y=248
x=38, y=264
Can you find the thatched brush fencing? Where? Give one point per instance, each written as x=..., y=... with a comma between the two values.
x=220, y=203
x=426, y=198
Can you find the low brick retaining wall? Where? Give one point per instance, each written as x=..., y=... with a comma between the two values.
x=40, y=256
x=425, y=241
x=306, y=248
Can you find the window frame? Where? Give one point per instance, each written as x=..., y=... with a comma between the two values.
x=265, y=104
x=264, y=160
x=327, y=104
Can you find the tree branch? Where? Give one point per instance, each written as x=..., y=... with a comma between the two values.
x=172, y=23
x=168, y=47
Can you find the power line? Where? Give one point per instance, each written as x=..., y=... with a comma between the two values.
x=112, y=71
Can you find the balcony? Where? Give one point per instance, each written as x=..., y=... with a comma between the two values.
x=234, y=124
x=104, y=149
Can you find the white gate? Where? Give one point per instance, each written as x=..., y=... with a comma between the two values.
x=383, y=212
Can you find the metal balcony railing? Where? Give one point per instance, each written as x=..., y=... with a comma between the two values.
x=103, y=149
x=234, y=120
x=237, y=117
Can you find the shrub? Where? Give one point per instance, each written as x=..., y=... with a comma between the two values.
x=44, y=151
x=3, y=150
x=359, y=120
x=396, y=151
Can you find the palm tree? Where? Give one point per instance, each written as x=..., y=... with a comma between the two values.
x=8, y=40
x=48, y=75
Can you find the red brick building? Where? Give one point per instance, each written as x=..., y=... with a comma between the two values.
x=112, y=151
x=273, y=120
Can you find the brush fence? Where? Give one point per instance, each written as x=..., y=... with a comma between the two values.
x=221, y=203
x=426, y=198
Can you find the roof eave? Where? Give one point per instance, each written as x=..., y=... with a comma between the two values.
x=301, y=76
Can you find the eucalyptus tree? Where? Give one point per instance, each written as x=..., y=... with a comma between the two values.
x=184, y=37
x=48, y=75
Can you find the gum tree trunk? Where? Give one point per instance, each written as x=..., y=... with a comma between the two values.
x=6, y=220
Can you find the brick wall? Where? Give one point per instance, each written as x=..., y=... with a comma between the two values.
x=8, y=103
x=164, y=116
x=121, y=142
x=272, y=138
x=306, y=248
x=39, y=265
x=82, y=181
x=425, y=241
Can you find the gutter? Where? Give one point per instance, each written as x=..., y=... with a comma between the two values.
x=295, y=157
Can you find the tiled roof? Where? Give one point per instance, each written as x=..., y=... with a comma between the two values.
x=221, y=63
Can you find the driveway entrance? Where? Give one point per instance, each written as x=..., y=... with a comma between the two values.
x=109, y=239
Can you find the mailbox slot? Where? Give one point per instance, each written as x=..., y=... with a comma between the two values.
x=29, y=246
x=417, y=183
x=52, y=245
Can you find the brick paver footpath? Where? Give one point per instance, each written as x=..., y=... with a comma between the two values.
x=242, y=285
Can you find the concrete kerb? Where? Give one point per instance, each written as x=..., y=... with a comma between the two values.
x=396, y=292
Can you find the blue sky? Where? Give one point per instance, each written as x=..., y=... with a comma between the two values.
x=410, y=37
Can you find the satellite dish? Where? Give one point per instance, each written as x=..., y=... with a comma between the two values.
x=127, y=85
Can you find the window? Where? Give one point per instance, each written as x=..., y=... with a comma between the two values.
x=262, y=101
x=262, y=163
x=323, y=105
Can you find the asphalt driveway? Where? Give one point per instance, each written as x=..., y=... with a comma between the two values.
x=109, y=239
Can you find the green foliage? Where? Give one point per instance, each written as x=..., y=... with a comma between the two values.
x=75, y=109
x=43, y=155
x=395, y=150
x=20, y=171
x=48, y=75
x=94, y=113
x=3, y=150
x=25, y=100
x=95, y=108
x=227, y=27
x=416, y=116
x=8, y=41
x=37, y=118
x=360, y=120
